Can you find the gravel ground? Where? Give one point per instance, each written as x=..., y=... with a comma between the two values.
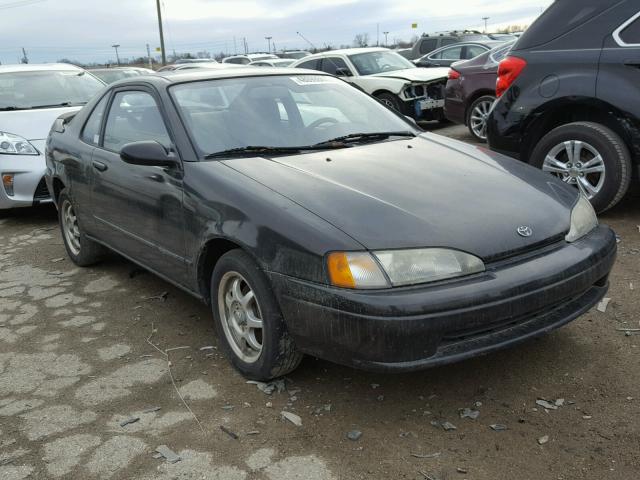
x=85, y=351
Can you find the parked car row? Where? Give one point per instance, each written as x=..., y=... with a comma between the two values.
x=297, y=206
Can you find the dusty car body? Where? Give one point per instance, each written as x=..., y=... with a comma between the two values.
x=388, y=76
x=348, y=235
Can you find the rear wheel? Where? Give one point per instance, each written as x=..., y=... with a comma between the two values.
x=248, y=319
x=589, y=156
x=477, y=117
x=82, y=251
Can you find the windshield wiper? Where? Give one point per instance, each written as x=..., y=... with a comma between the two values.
x=267, y=150
x=359, y=137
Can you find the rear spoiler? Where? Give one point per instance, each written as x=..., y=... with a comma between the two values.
x=62, y=120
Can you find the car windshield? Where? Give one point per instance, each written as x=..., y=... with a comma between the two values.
x=379, y=62
x=278, y=111
x=31, y=89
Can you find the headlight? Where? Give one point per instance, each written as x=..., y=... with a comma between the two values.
x=583, y=220
x=15, y=145
x=383, y=269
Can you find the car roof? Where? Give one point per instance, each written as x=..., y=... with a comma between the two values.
x=490, y=44
x=347, y=51
x=38, y=67
x=183, y=76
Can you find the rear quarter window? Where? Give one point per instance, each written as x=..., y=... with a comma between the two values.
x=561, y=17
x=631, y=34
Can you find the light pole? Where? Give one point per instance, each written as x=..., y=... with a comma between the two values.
x=164, y=55
x=386, y=39
x=485, y=23
x=268, y=39
x=117, y=56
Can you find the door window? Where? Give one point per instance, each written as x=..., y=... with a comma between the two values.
x=333, y=64
x=453, y=53
x=134, y=117
x=91, y=131
x=474, y=50
x=311, y=64
x=428, y=45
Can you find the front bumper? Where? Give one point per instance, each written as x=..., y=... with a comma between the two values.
x=29, y=187
x=417, y=327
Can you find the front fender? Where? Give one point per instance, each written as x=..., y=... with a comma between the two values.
x=375, y=84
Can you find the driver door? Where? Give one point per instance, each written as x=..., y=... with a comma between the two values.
x=138, y=209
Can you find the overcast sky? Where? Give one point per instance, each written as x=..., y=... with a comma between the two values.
x=84, y=30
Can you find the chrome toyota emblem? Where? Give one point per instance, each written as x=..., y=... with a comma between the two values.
x=525, y=231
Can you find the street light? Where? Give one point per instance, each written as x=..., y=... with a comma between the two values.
x=485, y=23
x=386, y=39
x=117, y=56
x=268, y=39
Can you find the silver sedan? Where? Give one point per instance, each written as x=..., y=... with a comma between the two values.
x=31, y=98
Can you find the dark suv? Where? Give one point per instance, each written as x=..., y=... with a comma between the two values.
x=570, y=97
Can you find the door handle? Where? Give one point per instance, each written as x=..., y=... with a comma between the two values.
x=633, y=64
x=101, y=167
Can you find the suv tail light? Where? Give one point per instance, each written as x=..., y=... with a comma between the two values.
x=454, y=74
x=509, y=70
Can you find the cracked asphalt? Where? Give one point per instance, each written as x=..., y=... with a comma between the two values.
x=95, y=364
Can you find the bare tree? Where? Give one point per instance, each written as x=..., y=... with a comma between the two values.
x=361, y=40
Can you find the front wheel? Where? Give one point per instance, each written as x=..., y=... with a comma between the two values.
x=390, y=101
x=589, y=156
x=248, y=319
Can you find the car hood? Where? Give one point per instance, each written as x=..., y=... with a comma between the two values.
x=417, y=74
x=424, y=192
x=32, y=124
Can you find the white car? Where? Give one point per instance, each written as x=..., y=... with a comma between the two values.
x=31, y=98
x=383, y=73
x=275, y=62
x=247, y=59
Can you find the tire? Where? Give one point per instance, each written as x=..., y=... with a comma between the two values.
x=81, y=250
x=278, y=355
x=391, y=101
x=611, y=180
x=477, y=117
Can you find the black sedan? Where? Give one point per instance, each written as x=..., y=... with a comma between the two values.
x=316, y=221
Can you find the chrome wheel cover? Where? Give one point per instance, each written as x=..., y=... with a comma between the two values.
x=478, y=119
x=70, y=228
x=577, y=163
x=241, y=316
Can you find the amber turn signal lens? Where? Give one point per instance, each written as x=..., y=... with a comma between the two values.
x=339, y=270
x=7, y=181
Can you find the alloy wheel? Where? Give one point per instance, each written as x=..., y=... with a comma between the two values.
x=577, y=163
x=241, y=316
x=478, y=119
x=70, y=227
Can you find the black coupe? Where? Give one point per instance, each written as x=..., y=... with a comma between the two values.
x=314, y=220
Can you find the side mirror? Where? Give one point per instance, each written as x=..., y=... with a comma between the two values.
x=148, y=153
x=343, y=72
